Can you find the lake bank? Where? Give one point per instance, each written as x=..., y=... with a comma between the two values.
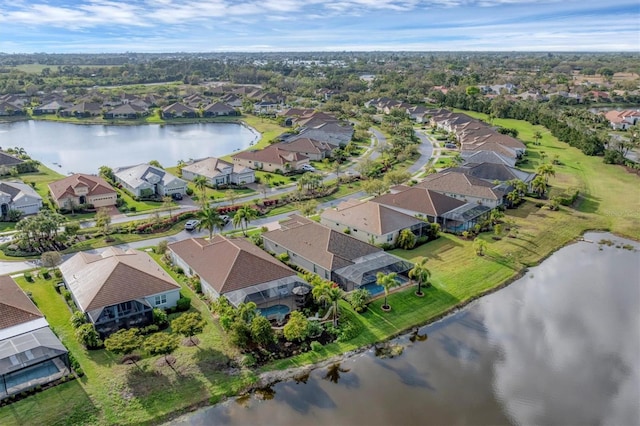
x=477, y=354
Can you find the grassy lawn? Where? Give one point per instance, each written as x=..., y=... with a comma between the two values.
x=112, y=393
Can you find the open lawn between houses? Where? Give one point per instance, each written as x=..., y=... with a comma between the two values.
x=113, y=393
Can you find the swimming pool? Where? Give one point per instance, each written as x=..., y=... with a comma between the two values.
x=273, y=311
x=373, y=289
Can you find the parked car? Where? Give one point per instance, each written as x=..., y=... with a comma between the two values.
x=450, y=146
x=192, y=224
x=176, y=196
x=308, y=168
x=225, y=218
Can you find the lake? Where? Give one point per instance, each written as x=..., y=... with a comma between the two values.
x=560, y=346
x=74, y=148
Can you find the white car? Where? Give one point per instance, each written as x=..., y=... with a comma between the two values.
x=192, y=224
x=308, y=168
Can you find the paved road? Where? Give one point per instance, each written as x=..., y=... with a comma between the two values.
x=425, y=148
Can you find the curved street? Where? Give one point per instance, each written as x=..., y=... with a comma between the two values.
x=426, y=152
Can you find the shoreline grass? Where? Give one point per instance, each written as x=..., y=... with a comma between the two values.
x=459, y=276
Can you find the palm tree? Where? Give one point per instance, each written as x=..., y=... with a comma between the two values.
x=421, y=274
x=334, y=295
x=537, y=136
x=210, y=220
x=539, y=186
x=546, y=170
x=243, y=216
x=387, y=281
x=320, y=292
x=200, y=182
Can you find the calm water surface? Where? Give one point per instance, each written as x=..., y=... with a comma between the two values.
x=77, y=148
x=561, y=346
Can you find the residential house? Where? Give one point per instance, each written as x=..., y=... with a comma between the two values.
x=10, y=109
x=128, y=111
x=18, y=196
x=51, y=107
x=80, y=189
x=271, y=159
x=331, y=254
x=219, y=109
x=30, y=353
x=232, y=100
x=372, y=222
x=492, y=172
x=313, y=149
x=238, y=270
x=477, y=157
x=8, y=162
x=219, y=172
x=451, y=214
x=465, y=188
x=333, y=133
x=267, y=107
x=195, y=100
x=147, y=181
x=118, y=289
x=82, y=110
x=622, y=120
x=178, y=110
x=417, y=113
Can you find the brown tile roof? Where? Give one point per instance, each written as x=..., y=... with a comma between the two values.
x=208, y=167
x=305, y=145
x=460, y=184
x=271, y=154
x=114, y=276
x=421, y=200
x=15, y=306
x=230, y=264
x=96, y=185
x=368, y=216
x=318, y=244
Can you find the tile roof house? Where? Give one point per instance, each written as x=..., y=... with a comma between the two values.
x=218, y=109
x=270, y=159
x=371, y=222
x=128, y=111
x=464, y=187
x=51, y=107
x=237, y=269
x=83, y=109
x=311, y=148
x=82, y=189
x=332, y=255
x=8, y=109
x=30, y=353
x=481, y=156
x=218, y=172
x=118, y=289
x=18, y=196
x=9, y=161
x=622, y=120
x=491, y=172
x=334, y=133
x=178, y=110
x=147, y=181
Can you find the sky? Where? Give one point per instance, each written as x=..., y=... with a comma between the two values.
x=100, y=26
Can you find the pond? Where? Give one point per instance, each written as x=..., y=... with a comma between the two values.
x=73, y=148
x=559, y=346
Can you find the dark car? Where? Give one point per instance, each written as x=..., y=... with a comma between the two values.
x=176, y=196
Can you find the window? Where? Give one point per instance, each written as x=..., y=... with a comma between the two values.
x=161, y=299
x=389, y=237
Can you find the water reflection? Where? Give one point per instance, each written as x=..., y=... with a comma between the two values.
x=560, y=346
x=84, y=148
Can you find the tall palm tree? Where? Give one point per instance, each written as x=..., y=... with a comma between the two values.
x=387, y=281
x=539, y=186
x=420, y=273
x=546, y=170
x=244, y=215
x=200, y=182
x=210, y=220
x=537, y=135
x=320, y=292
x=335, y=294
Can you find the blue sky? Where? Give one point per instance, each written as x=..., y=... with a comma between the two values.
x=94, y=26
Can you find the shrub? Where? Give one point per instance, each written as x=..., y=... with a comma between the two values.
x=160, y=317
x=248, y=361
x=44, y=273
x=347, y=231
x=283, y=257
x=297, y=328
x=88, y=336
x=78, y=319
x=67, y=295
x=184, y=303
x=315, y=329
x=189, y=191
x=28, y=277
x=153, y=328
x=316, y=346
x=57, y=273
x=178, y=270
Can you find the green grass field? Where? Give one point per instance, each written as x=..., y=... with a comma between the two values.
x=117, y=394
